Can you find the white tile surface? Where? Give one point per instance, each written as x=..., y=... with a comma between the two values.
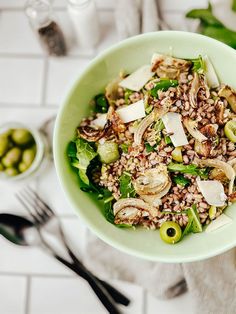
x=21, y=80
x=61, y=76
x=70, y=296
x=11, y=3
x=74, y=296
x=108, y=30
x=17, y=37
x=180, y=305
x=12, y=295
x=101, y=4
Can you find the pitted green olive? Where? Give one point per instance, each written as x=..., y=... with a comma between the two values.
x=3, y=144
x=12, y=157
x=11, y=171
x=21, y=136
x=28, y=156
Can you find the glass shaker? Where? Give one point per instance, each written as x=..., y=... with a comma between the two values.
x=50, y=34
x=84, y=17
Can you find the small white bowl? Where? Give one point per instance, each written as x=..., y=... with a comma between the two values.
x=41, y=152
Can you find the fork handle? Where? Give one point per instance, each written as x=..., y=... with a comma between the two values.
x=97, y=287
x=115, y=294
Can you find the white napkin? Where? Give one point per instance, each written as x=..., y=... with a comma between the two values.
x=135, y=16
x=212, y=283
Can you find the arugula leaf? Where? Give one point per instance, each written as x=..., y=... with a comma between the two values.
x=191, y=169
x=108, y=212
x=124, y=147
x=163, y=85
x=198, y=65
x=159, y=125
x=188, y=228
x=194, y=225
x=149, y=148
x=126, y=186
x=206, y=17
x=82, y=157
x=128, y=92
x=167, y=140
x=101, y=103
x=181, y=180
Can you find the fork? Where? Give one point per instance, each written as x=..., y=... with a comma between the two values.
x=45, y=220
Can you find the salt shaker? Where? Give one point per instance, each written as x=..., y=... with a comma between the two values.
x=84, y=18
x=40, y=16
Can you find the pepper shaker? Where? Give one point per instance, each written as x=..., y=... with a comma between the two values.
x=50, y=34
x=85, y=22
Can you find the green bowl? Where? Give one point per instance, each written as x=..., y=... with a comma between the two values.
x=129, y=55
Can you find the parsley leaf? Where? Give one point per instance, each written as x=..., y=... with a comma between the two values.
x=126, y=186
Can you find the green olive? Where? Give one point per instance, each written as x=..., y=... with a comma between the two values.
x=21, y=136
x=170, y=232
x=230, y=130
x=11, y=171
x=1, y=167
x=28, y=156
x=23, y=167
x=3, y=144
x=12, y=157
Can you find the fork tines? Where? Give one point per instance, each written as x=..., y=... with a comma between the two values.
x=37, y=208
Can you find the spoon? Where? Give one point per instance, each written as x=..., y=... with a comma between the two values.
x=21, y=231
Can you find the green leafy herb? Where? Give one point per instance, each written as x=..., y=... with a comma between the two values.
x=181, y=180
x=167, y=140
x=163, y=85
x=159, y=125
x=194, y=225
x=82, y=158
x=148, y=109
x=198, y=65
x=128, y=92
x=149, y=148
x=126, y=186
x=191, y=169
x=101, y=103
x=212, y=27
x=108, y=212
x=124, y=147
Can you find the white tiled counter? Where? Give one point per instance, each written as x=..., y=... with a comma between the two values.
x=32, y=86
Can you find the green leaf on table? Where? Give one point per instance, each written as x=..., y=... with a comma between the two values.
x=234, y=5
x=126, y=186
x=222, y=34
x=206, y=16
x=164, y=84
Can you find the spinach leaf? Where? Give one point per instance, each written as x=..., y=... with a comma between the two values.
x=107, y=212
x=181, y=180
x=82, y=157
x=191, y=169
x=163, y=85
x=126, y=186
x=149, y=148
x=101, y=103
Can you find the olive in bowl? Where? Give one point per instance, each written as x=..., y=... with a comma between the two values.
x=21, y=151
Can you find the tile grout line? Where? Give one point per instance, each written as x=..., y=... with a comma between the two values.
x=44, y=82
x=28, y=295
x=144, y=305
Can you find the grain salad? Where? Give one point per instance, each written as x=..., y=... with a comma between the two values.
x=158, y=149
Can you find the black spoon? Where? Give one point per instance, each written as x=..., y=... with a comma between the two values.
x=21, y=231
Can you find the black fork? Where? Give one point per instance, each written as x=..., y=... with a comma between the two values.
x=44, y=217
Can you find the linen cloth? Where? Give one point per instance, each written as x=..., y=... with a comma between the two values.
x=212, y=282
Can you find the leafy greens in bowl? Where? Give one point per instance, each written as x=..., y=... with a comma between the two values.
x=131, y=55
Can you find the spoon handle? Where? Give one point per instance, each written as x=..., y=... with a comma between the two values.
x=97, y=287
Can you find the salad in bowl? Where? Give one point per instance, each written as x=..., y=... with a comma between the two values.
x=158, y=148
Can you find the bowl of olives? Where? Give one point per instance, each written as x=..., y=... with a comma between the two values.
x=21, y=151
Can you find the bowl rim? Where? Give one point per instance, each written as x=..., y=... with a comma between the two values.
x=60, y=175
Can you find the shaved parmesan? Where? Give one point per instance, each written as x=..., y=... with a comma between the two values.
x=212, y=79
x=100, y=121
x=219, y=222
x=137, y=79
x=132, y=112
x=213, y=192
x=173, y=125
